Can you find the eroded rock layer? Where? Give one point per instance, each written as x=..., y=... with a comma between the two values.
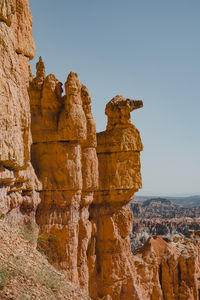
x=87, y=180
x=169, y=270
x=18, y=182
x=91, y=245
x=65, y=160
x=119, y=178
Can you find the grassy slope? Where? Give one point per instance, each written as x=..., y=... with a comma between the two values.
x=25, y=274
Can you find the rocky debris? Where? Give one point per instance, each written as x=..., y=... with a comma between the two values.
x=18, y=182
x=65, y=160
x=194, y=234
x=26, y=274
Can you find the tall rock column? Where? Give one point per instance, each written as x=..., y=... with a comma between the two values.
x=110, y=258
x=90, y=184
x=65, y=160
x=18, y=182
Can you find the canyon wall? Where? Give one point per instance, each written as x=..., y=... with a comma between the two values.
x=79, y=182
x=18, y=182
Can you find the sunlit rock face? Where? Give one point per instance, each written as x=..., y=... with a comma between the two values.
x=85, y=181
x=169, y=270
x=118, y=150
x=74, y=237
x=65, y=160
x=18, y=182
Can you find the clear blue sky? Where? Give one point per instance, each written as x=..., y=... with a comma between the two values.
x=141, y=49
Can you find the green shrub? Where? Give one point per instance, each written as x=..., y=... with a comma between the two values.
x=4, y=276
x=49, y=279
x=30, y=233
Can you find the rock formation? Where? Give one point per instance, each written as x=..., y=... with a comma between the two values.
x=161, y=217
x=65, y=160
x=85, y=181
x=169, y=270
x=142, y=229
x=18, y=182
x=119, y=178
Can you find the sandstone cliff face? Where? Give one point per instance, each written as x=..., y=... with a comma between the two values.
x=169, y=270
x=65, y=160
x=119, y=178
x=18, y=182
x=87, y=180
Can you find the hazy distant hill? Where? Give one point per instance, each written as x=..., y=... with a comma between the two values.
x=162, y=208
x=191, y=201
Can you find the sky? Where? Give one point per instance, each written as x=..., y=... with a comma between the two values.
x=140, y=49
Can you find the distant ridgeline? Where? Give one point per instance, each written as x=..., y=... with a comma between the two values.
x=189, y=201
x=162, y=208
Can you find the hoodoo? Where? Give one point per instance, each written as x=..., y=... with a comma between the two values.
x=65, y=160
x=118, y=150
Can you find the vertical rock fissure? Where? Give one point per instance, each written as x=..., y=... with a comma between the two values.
x=160, y=274
x=179, y=274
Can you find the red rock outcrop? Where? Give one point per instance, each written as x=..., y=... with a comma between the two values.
x=142, y=229
x=169, y=271
x=18, y=182
x=111, y=261
x=65, y=160
x=95, y=248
